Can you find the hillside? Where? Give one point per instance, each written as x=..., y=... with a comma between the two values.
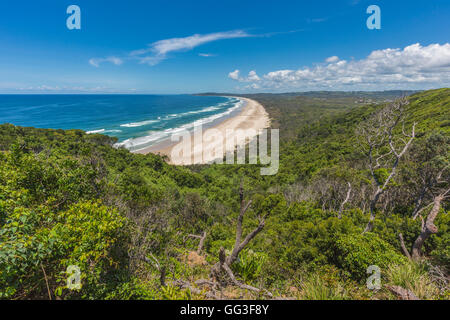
x=132, y=223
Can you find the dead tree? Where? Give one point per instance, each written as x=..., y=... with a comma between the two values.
x=384, y=147
x=221, y=271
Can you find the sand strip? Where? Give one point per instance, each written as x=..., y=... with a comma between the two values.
x=216, y=140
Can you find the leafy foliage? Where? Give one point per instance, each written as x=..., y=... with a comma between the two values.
x=69, y=198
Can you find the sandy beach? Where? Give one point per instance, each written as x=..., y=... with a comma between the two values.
x=215, y=141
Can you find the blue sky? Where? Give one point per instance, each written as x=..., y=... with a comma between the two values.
x=235, y=46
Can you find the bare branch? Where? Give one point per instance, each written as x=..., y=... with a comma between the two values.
x=402, y=293
x=225, y=262
x=201, y=243
x=341, y=208
x=46, y=283
x=186, y=285
x=381, y=129
x=428, y=228
x=242, y=285
x=419, y=211
x=248, y=238
x=402, y=245
x=238, y=246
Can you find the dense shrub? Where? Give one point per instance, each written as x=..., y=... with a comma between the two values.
x=356, y=252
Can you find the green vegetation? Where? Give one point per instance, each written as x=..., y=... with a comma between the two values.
x=132, y=223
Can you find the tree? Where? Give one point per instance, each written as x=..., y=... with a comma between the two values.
x=431, y=165
x=221, y=272
x=225, y=262
x=428, y=227
x=384, y=146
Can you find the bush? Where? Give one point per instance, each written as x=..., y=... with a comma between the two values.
x=87, y=235
x=356, y=252
x=441, y=241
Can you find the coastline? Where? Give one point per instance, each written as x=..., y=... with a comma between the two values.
x=253, y=116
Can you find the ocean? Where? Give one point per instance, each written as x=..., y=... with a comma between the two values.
x=138, y=121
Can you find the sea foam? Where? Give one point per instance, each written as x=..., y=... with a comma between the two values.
x=140, y=143
x=138, y=124
x=103, y=131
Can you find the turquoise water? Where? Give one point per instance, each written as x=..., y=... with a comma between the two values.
x=138, y=121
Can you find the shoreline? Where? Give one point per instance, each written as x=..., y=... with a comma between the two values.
x=252, y=116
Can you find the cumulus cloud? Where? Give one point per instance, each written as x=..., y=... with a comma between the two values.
x=413, y=66
x=251, y=77
x=332, y=59
x=97, y=61
x=234, y=75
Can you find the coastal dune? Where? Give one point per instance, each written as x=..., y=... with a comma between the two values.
x=214, y=142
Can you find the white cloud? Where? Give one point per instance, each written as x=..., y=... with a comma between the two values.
x=157, y=51
x=47, y=88
x=177, y=44
x=206, y=55
x=253, y=86
x=97, y=61
x=415, y=66
x=332, y=59
x=234, y=75
x=251, y=77
x=61, y=89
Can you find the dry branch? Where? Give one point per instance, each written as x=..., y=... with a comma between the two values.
x=341, y=208
x=428, y=228
x=402, y=293
x=201, y=243
x=46, y=282
x=223, y=267
x=221, y=272
x=378, y=134
x=402, y=245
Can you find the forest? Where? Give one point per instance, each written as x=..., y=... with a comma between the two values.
x=363, y=183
